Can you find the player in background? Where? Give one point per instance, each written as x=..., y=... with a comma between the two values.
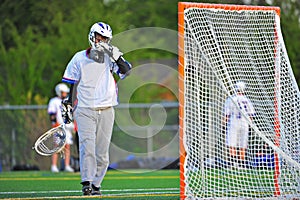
x=96, y=93
x=54, y=111
x=237, y=126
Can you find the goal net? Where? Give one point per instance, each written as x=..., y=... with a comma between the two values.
x=239, y=104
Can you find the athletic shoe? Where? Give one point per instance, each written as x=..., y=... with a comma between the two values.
x=54, y=169
x=95, y=190
x=69, y=169
x=86, y=188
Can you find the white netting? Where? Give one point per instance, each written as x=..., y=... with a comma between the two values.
x=53, y=141
x=222, y=47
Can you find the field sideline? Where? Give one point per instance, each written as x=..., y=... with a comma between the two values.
x=133, y=184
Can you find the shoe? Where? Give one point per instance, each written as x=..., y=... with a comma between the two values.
x=54, y=169
x=86, y=188
x=69, y=169
x=95, y=190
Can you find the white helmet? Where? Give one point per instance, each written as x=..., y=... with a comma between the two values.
x=240, y=86
x=102, y=29
x=61, y=87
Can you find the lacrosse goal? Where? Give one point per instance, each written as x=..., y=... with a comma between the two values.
x=218, y=46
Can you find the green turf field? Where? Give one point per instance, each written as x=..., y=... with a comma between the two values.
x=163, y=184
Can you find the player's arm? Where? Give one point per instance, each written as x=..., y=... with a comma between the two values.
x=52, y=111
x=53, y=119
x=71, y=76
x=69, y=99
x=124, y=66
x=226, y=114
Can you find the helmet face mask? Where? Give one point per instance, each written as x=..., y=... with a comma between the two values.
x=99, y=32
x=101, y=38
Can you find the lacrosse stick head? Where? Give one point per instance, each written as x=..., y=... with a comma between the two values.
x=53, y=141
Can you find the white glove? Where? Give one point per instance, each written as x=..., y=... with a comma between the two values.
x=111, y=50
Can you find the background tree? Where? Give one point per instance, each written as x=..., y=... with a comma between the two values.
x=37, y=38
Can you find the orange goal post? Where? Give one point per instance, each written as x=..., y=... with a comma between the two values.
x=237, y=152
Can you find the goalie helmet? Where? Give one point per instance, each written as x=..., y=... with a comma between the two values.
x=102, y=29
x=240, y=86
x=61, y=87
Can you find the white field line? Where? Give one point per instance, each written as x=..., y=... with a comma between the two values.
x=111, y=196
x=125, y=191
x=140, y=193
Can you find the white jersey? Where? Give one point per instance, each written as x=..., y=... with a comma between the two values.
x=96, y=84
x=235, y=113
x=54, y=107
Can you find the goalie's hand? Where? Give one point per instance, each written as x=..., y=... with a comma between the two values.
x=111, y=50
x=67, y=111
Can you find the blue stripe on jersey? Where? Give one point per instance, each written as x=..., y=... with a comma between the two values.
x=66, y=80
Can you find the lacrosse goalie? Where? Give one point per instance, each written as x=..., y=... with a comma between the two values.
x=92, y=70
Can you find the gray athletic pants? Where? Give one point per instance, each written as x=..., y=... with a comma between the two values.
x=94, y=130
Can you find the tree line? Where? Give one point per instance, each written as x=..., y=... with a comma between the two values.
x=38, y=38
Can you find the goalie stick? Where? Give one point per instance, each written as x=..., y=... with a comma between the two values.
x=52, y=141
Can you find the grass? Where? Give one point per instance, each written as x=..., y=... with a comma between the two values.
x=162, y=184
x=232, y=182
